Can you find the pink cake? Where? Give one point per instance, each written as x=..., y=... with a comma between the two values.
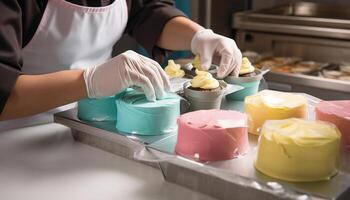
x=210, y=135
x=338, y=113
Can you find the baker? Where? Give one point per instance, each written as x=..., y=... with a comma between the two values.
x=55, y=52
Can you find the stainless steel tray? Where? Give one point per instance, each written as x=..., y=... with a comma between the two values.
x=225, y=179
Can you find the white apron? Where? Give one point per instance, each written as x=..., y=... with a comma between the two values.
x=70, y=36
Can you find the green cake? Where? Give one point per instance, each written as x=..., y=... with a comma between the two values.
x=138, y=116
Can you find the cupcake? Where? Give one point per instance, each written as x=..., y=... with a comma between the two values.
x=249, y=78
x=204, y=91
x=174, y=70
x=204, y=81
x=190, y=68
x=247, y=69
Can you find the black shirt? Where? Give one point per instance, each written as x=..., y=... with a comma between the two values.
x=19, y=20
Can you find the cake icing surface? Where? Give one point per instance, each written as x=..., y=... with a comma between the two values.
x=103, y=109
x=209, y=135
x=298, y=150
x=136, y=115
x=338, y=113
x=273, y=105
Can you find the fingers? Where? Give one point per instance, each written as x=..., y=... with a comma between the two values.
x=147, y=74
x=237, y=65
x=159, y=70
x=206, y=61
x=230, y=63
x=165, y=78
x=225, y=66
x=153, y=75
x=146, y=85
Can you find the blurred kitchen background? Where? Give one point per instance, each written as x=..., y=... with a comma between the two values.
x=305, y=44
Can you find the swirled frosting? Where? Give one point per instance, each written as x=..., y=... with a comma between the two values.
x=246, y=67
x=174, y=70
x=298, y=150
x=204, y=80
x=197, y=63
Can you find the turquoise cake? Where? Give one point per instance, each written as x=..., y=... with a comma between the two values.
x=138, y=116
x=102, y=109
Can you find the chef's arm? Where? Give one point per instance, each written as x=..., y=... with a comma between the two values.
x=33, y=94
x=178, y=33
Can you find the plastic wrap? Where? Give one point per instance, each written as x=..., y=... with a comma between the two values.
x=222, y=179
x=299, y=150
x=240, y=174
x=338, y=113
x=209, y=135
x=272, y=105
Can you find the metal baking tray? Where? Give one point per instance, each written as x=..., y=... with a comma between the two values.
x=225, y=179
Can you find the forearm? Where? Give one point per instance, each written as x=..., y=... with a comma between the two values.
x=178, y=33
x=33, y=94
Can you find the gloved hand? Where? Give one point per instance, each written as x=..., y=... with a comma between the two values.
x=124, y=70
x=209, y=46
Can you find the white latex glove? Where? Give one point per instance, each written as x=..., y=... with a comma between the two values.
x=209, y=46
x=125, y=70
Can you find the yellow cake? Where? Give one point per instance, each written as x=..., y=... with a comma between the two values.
x=298, y=150
x=272, y=105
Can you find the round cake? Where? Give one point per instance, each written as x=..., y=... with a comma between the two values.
x=338, y=113
x=137, y=115
x=103, y=109
x=272, y=105
x=298, y=150
x=210, y=135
